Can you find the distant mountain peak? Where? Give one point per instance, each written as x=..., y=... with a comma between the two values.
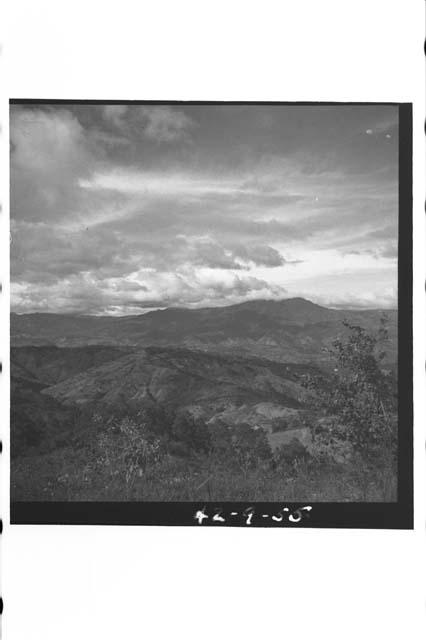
x=301, y=301
x=271, y=301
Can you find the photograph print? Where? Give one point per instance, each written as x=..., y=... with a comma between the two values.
x=205, y=305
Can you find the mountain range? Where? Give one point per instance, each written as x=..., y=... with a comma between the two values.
x=237, y=364
x=294, y=330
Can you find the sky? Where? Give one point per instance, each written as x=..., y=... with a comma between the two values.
x=119, y=209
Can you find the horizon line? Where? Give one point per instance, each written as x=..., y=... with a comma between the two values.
x=184, y=308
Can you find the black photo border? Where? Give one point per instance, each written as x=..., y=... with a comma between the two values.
x=356, y=515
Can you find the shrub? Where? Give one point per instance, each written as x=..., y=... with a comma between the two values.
x=250, y=447
x=127, y=448
x=288, y=453
x=220, y=436
x=191, y=432
x=358, y=398
x=238, y=447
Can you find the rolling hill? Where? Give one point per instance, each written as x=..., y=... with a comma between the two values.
x=293, y=330
x=254, y=391
x=50, y=365
x=76, y=382
x=205, y=384
x=237, y=364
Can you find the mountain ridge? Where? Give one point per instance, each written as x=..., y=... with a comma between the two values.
x=296, y=299
x=291, y=330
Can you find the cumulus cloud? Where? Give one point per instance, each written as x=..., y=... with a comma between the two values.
x=205, y=252
x=113, y=210
x=84, y=293
x=368, y=300
x=50, y=153
x=41, y=252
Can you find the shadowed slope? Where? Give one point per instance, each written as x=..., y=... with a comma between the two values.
x=294, y=330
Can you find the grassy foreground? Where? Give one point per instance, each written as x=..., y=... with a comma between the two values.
x=67, y=475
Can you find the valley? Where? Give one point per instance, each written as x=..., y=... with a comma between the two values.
x=220, y=374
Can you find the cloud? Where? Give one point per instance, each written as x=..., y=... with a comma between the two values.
x=389, y=231
x=368, y=300
x=387, y=126
x=263, y=203
x=164, y=124
x=390, y=250
x=213, y=255
x=191, y=184
x=84, y=293
x=115, y=113
x=43, y=253
x=161, y=124
x=260, y=255
x=51, y=152
x=127, y=206
x=157, y=184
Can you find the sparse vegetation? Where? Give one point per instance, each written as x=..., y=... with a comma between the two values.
x=357, y=404
x=67, y=475
x=163, y=453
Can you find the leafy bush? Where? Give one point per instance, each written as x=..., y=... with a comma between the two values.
x=358, y=397
x=191, y=432
x=127, y=448
x=251, y=446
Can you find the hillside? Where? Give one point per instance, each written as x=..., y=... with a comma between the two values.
x=238, y=364
x=38, y=422
x=223, y=398
x=50, y=365
x=207, y=385
x=293, y=330
x=113, y=381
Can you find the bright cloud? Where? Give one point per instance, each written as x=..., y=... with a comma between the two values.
x=118, y=208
